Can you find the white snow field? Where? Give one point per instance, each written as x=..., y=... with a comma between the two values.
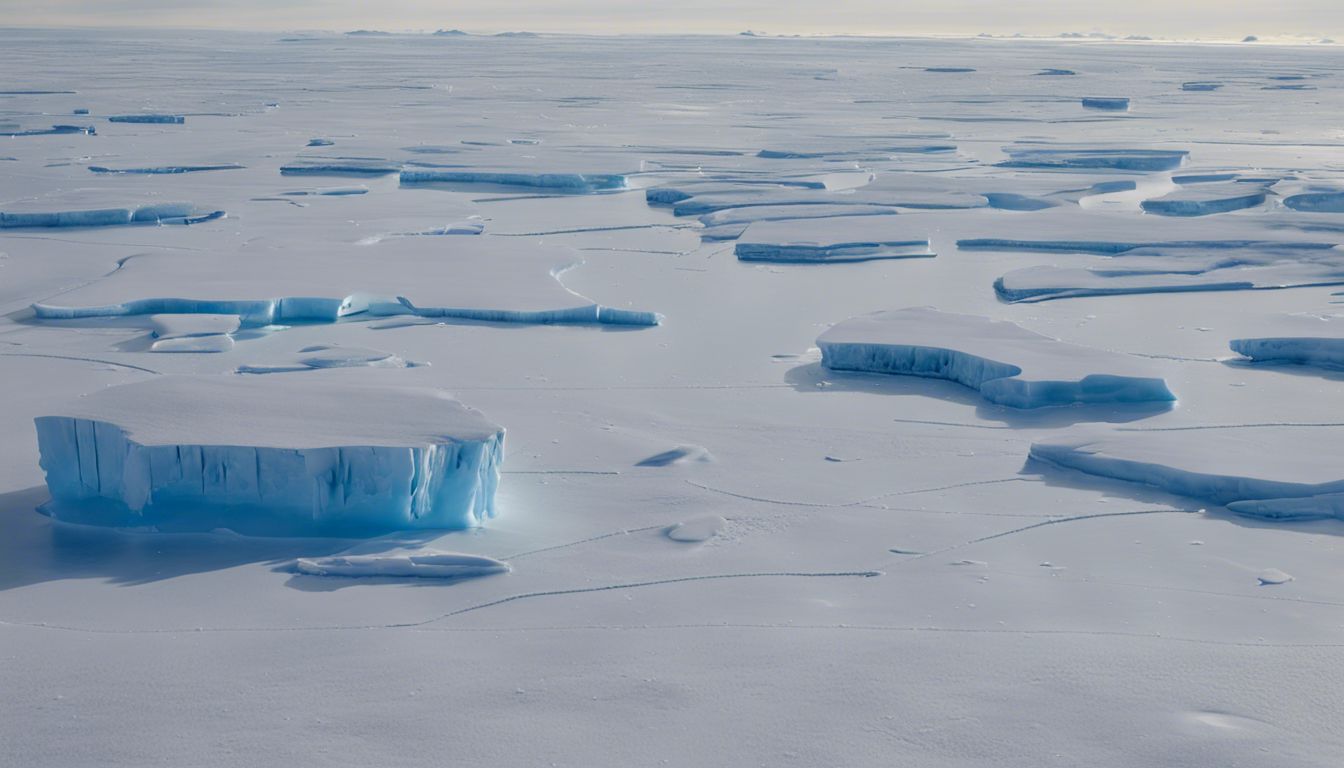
x=707, y=548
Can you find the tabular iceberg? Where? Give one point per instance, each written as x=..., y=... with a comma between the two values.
x=270, y=456
x=976, y=352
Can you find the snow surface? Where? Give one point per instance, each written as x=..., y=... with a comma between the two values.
x=876, y=594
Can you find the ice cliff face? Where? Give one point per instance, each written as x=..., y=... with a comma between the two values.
x=265, y=456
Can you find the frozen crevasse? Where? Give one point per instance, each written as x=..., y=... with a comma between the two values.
x=1280, y=472
x=1007, y=364
x=270, y=455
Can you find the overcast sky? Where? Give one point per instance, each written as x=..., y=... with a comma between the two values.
x=1165, y=18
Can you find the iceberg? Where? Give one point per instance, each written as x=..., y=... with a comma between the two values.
x=1115, y=104
x=475, y=279
x=270, y=456
x=1300, y=339
x=167, y=169
x=1274, y=472
x=1006, y=363
x=336, y=166
x=834, y=239
x=1205, y=199
x=1116, y=159
x=1316, y=202
x=158, y=213
x=163, y=119
x=193, y=333
x=1166, y=271
x=567, y=182
x=55, y=130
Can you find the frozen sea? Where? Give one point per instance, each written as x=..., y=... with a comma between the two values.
x=702, y=546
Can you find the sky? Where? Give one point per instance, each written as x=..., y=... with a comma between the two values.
x=1182, y=19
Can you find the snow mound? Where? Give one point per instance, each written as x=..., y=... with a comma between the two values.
x=270, y=455
x=834, y=239
x=1276, y=472
x=423, y=563
x=1007, y=364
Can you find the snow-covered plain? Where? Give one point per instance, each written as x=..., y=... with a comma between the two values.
x=708, y=548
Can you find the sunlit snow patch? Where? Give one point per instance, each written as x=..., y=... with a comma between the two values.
x=270, y=455
x=1007, y=364
x=696, y=530
x=323, y=356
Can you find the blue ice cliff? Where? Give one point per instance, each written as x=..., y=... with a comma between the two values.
x=270, y=455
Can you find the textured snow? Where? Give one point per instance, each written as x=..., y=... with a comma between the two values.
x=1007, y=364
x=265, y=455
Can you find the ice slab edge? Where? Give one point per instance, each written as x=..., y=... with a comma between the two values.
x=261, y=312
x=570, y=182
x=1056, y=373
x=1240, y=493
x=104, y=472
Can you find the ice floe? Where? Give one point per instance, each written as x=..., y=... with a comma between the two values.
x=1007, y=364
x=1276, y=472
x=834, y=239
